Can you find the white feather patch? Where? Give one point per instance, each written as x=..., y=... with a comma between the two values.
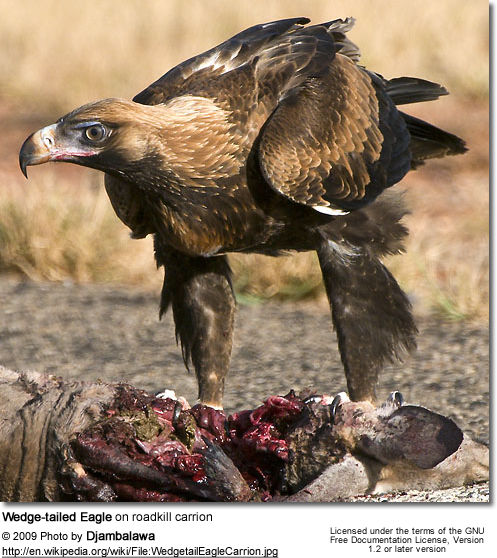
x=214, y=62
x=329, y=210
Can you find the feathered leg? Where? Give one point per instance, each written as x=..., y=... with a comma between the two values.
x=371, y=314
x=201, y=295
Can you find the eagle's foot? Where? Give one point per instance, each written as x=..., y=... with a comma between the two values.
x=395, y=398
x=394, y=401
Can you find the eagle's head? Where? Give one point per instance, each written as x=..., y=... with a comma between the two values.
x=187, y=138
x=110, y=135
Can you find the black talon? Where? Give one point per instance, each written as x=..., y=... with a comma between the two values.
x=337, y=401
x=176, y=412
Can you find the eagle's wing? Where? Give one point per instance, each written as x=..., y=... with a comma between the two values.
x=335, y=141
x=197, y=72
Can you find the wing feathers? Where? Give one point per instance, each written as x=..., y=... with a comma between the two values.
x=233, y=53
x=329, y=135
x=346, y=119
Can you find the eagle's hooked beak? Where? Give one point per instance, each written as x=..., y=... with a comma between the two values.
x=38, y=148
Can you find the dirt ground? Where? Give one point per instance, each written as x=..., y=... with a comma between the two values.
x=90, y=332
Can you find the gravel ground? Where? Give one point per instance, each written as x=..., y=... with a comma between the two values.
x=90, y=332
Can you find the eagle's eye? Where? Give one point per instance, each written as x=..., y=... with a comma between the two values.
x=96, y=132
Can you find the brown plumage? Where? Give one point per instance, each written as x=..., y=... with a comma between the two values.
x=275, y=140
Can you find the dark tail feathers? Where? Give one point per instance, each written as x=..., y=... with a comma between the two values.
x=428, y=141
x=405, y=90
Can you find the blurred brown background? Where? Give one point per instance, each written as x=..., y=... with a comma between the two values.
x=55, y=56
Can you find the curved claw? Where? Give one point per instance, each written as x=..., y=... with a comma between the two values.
x=315, y=398
x=340, y=398
x=176, y=412
x=396, y=398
